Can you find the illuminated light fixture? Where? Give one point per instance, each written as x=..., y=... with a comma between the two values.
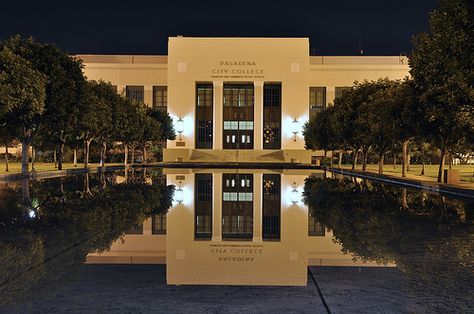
x=296, y=128
x=180, y=127
x=32, y=214
x=295, y=195
x=179, y=194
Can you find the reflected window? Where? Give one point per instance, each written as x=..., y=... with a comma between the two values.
x=315, y=229
x=271, y=207
x=203, y=206
x=237, y=206
x=158, y=224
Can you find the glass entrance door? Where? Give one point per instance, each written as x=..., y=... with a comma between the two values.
x=237, y=206
x=238, y=116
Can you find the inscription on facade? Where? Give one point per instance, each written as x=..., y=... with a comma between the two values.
x=237, y=69
x=236, y=252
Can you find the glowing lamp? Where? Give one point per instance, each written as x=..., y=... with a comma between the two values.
x=295, y=194
x=180, y=127
x=179, y=194
x=295, y=128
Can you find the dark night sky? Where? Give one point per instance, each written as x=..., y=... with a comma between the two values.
x=142, y=27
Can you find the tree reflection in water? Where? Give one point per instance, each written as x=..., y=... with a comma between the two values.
x=49, y=227
x=429, y=237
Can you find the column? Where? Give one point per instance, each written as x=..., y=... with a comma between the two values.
x=217, y=114
x=147, y=224
x=258, y=115
x=148, y=95
x=257, y=207
x=217, y=207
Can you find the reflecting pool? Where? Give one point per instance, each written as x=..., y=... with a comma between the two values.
x=236, y=227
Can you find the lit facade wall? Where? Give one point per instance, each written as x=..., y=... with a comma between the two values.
x=255, y=61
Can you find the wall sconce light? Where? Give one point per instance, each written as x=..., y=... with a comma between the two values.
x=179, y=194
x=296, y=128
x=295, y=194
x=180, y=127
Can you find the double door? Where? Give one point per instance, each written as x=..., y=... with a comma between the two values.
x=238, y=116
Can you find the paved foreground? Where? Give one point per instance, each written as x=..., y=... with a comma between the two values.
x=143, y=289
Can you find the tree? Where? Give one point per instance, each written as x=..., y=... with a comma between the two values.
x=64, y=80
x=22, y=97
x=127, y=128
x=317, y=133
x=442, y=67
x=167, y=129
x=94, y=109
x=7, y=136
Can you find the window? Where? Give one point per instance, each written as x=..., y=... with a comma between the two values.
x=204, y=118
x=136, y=229
x=135, y=93
x=238, y=116
x=271, y=207
x=272, y=116
x=340, y=90
x=203, y=206
x=315, y=229
x=160, y=98
x=158, y=224
x=317, y=100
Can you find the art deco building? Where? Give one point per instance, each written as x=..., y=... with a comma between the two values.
x=239, y=99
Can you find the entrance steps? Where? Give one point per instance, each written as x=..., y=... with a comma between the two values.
x=202, y=155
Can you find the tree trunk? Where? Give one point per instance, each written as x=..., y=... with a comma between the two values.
x=364, y=159
x=354, y=160
x=422, y=169
x=86, y=189
x=25, y=150
x=60, y=155
x=332, y=159
x=381, y=164
x=87, y=143
x=394, y=161
x=33, y=158
x=404, y=199
x=125, y=152
x=450, y=161
x=324, y=159
x=133, y=155
x=75, y=157
x=408, y=159
x=55, y=159
x=103, y=148
x=340, y=159
x=404, y=157
x=144, y=154
x=25, y=194
x=441, y=164
x=6, y=156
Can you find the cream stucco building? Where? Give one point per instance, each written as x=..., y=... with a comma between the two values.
x=239, y=99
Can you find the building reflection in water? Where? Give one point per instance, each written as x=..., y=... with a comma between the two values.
x=236, y=227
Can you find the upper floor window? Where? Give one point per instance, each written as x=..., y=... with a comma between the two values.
x=135, y=93
x=317, y=100
x=160, y=97
x=340, y=90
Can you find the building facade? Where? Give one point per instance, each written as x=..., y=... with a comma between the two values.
x=239, y=99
